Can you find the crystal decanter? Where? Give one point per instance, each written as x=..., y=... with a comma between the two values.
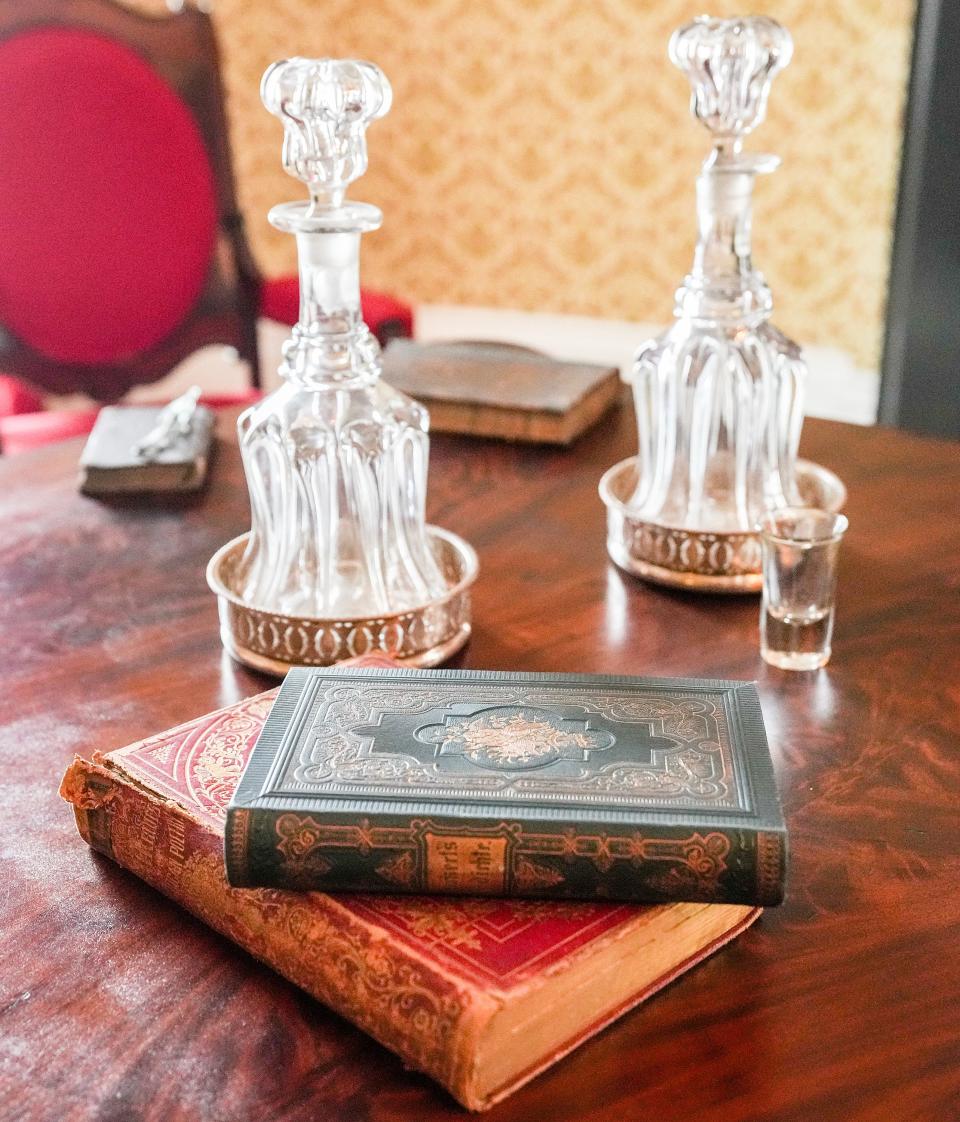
x=339, y=560
x=719, y=396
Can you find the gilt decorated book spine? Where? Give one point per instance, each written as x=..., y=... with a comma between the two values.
x=474, y=857
x=406, y=1002
x=478, y=783
x=443, y=982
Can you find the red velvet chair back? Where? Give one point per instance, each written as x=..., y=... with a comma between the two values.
x=121, y=246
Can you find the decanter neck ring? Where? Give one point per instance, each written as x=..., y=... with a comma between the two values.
x=723, y=285
x=330, y=346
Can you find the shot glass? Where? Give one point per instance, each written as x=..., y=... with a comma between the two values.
x=799, y=547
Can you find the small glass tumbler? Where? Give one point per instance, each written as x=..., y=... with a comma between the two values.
x=799, y=547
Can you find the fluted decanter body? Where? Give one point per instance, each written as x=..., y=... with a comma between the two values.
x=335, y=459
x=719, y=396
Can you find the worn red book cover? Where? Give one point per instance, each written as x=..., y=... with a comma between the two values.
x=444, y=982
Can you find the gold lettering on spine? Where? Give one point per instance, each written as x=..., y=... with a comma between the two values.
x=176, y=833
x=143, y=832
x=150, y=826
x=465, y=864
x=769, y=871
x=238, y=827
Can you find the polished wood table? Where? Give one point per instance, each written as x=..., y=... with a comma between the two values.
x=841, y=1004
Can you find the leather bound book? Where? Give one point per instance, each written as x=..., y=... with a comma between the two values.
x=111, y=464
x=501, y=390
x=481, y=994
x=475, y=782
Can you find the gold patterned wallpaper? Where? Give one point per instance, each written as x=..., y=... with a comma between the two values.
x=540, y=154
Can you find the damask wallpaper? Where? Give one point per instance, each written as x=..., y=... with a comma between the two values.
x=540, y=154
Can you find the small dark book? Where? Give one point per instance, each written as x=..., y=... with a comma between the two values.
x=504, y=784
x=501, y=390
x=147, y=449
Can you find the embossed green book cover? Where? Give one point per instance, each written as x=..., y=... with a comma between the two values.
x=489, y=783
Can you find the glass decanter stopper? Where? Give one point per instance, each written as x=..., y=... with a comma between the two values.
x=336, y=460
x=719, y=396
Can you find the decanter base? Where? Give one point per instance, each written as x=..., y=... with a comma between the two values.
x=272, y=643
x=697, y=560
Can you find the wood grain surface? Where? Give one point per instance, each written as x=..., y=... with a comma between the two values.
x=842, y=1004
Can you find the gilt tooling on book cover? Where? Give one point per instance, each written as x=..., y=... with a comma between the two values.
x=427, y=976
x=480, y=782
x=494, y=942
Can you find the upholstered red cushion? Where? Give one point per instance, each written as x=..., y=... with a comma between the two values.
x=17, y=397
x=34, y=430
x=231, y=398
x=280, y=300
x=108, y=207
x=378, y=308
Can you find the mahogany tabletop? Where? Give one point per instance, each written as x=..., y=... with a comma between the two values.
x=116, y=1005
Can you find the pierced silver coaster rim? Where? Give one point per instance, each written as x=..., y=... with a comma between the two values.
x=818, y=484
x=241, y=623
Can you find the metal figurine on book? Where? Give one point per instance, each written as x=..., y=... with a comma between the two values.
x=719, y=396
x=339, y=560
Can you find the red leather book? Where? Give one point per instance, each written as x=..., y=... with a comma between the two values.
x=445, y=982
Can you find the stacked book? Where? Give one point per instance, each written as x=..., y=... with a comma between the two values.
x=479, y=869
